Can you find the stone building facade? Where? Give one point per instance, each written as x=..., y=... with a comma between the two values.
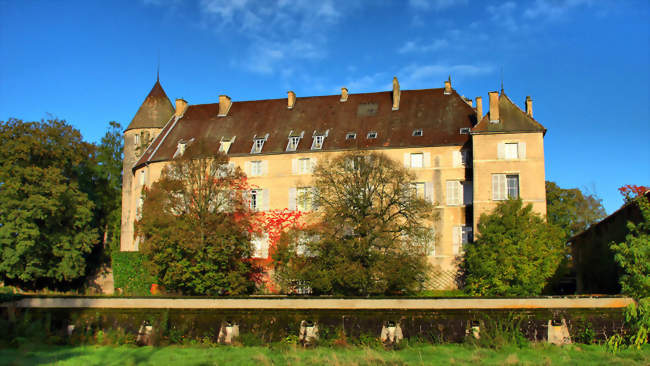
x=464, y=162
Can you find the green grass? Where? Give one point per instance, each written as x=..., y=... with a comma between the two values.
x=453, y=354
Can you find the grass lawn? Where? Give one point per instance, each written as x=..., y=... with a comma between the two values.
x=452, y=354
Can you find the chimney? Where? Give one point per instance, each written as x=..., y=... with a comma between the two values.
x=224, y=105
x=181, y=106
x=396, y=93
x=291, y=99
x=469, y=102
x=344, y=94
x=529, y=106
x=494, y=106
x=479, y=108
x=448, y=86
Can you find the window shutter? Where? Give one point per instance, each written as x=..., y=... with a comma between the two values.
x=522, y=150
x=294, y=166
x=457, y=158
x=292, y=199
x=313, y=162
x=503, y=187
x=428, y=191
x=468, y=193
x=427, y=160
x=459, y=192
x=265, y=167
x=265, y=200
x=495, y=187
x=501, y=150
x=453, y=192
x=457, y=237
x=407, y=160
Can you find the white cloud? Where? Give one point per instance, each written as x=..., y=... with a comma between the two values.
x=415, y=46
x=553, y=9
x=432, y=75
x=368, y=83
x=435, y=4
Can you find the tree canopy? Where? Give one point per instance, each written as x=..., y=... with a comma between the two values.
x=571, y=209
x=515, y=253
x=195, y=230
x=370, y=233
x=46, y=218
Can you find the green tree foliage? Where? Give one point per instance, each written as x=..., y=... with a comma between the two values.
x=108, y=183
x=196, y=230
x=571, y=209
x=633, y=255
x=45, y=218
x=516, y=252
x=371, y=233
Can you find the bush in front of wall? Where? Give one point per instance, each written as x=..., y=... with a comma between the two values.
x=130, y=274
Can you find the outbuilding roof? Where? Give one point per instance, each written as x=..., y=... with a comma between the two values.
x=511, y=119
x=439, y=116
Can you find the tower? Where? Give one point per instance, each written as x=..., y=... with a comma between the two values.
x=153, y=114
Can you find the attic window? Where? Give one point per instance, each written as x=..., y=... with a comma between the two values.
x=293, y=143
x=351, y=136
x=372, y=135
x=224, y=144
x=317, y=144
x=181, y=146
x=464, y=131
x=417, y=132
x=258, y=143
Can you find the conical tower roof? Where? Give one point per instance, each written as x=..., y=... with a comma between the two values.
x=155, y=111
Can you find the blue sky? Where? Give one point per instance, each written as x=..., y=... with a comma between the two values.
x=585, y=63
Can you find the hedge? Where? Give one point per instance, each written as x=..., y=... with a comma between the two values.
x=130, y=273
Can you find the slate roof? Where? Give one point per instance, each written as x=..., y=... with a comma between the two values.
x=155, y=111
x=511, y=119
x=439, y=116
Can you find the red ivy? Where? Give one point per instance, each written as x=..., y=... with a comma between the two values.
x=631, y=191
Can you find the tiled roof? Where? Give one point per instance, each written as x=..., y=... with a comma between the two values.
x=155, y=111
x=511, y=119
x=439, y=116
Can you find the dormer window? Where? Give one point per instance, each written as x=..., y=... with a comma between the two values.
x=258, y=143
x=317, y=144
x=372, y=135
x=224, y=144
x=181, y=146
x=351, y=136
x=417, y=132
x=293, y=143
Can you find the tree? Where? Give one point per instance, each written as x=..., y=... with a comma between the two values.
x=196, y=229
x=633, y=255
x=571, y=209
x=108, y=170
x=370, y=234
x=516, y=252
x=46, y=227
x=632, y=191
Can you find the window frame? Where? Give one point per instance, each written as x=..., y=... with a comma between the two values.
x=421, y=155
x=304, y=199
x=291, y=146
x=372, y=135
x=351, y=136
x=257, y=168
x=253, y=199
x=258, y=142
x=304, y=166
x=508, y=153
x=512, y=178
x=317, y=142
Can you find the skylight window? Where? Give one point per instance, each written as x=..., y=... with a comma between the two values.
x=372, y=135
x=417, y=132
x=464, y=131
x=351, y=136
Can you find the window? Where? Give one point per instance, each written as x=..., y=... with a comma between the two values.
x=512, y=183
x=417, y=132
x=255, y=199
x=137, y=139
x=143, y=177
x=454, y=193
x=461, y=236
x=464, y=131
x=224, y=145
x=138, y=209
x=351, y=136
x=464, y=157
x=256, y=168
x=511, y=151
x=317, y=144
x=293, y=143
x=304, y=166
x=260, y=246
x=257, y=146
x=304, y=198
x=372, y=135
x=180, y=149
x=417, y=160
x=460, y=158
x=505, y=186
x=418, y=189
